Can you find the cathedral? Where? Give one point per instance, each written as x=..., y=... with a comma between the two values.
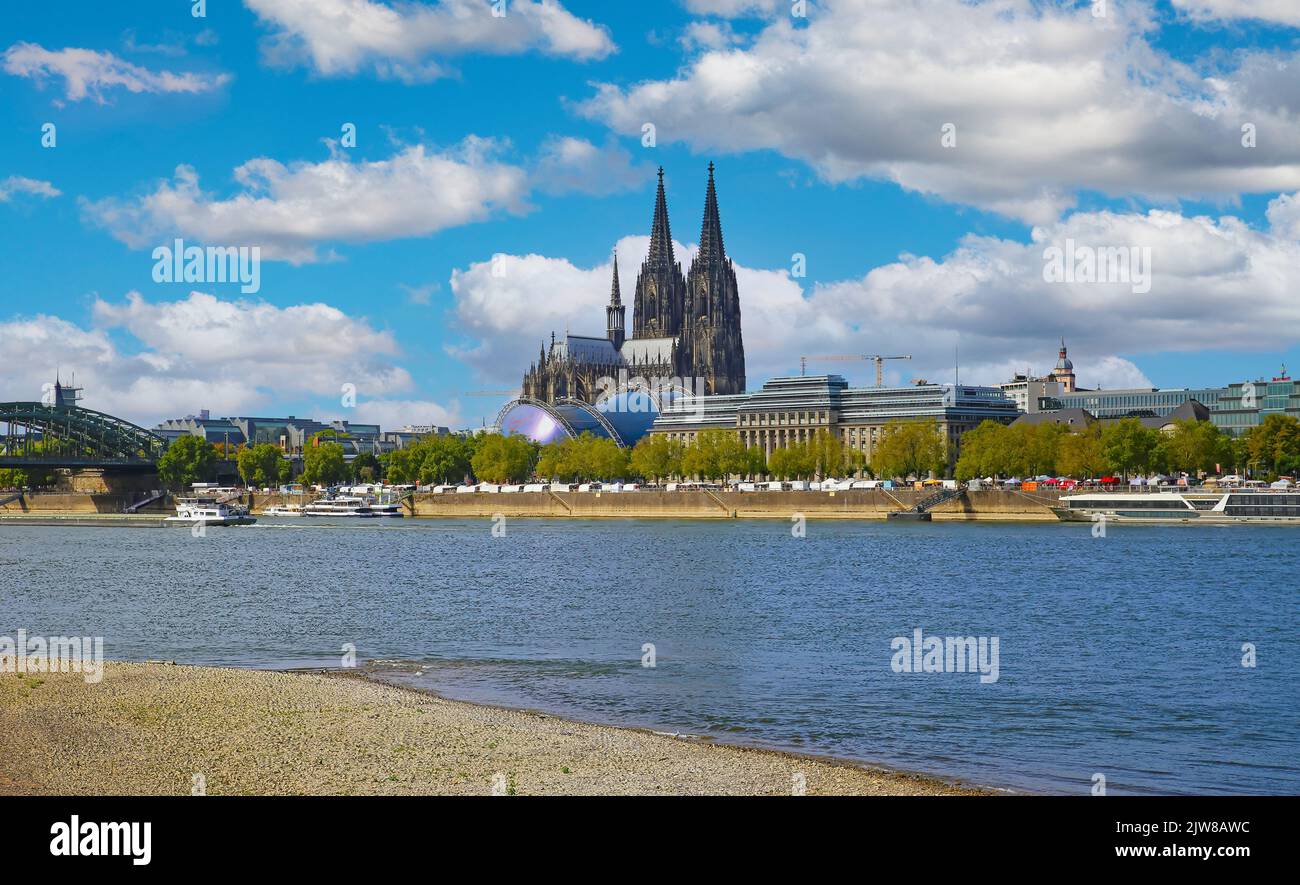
x=683, y=327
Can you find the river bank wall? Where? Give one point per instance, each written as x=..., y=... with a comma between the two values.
x=859, y=504
x=1013, y=506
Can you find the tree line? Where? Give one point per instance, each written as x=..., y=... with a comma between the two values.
x=1127, y=447
x=903, y=449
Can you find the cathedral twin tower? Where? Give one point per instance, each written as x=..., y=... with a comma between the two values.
x=682, y=327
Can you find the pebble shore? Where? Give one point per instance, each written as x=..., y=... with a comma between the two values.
x=151, y=728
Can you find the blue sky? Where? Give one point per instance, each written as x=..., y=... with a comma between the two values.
x=520, y=137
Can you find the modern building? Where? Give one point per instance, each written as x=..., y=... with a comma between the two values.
x=624, y=418
x=1241, y=406
x=291, y=434
x=1029, y=392
x=683, y=327
x=1132, y=402
x=791, y=410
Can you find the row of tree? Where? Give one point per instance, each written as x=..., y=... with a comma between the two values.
x=1127, y=447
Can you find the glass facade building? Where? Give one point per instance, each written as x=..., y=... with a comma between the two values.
x=1137, y=402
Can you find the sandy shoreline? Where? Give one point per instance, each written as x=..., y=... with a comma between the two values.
x=150, y=728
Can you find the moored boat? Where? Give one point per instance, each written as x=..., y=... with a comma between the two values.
x=348, y=506
x=209, y=511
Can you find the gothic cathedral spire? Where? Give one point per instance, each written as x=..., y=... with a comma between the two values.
x=711, y=336
x=615, y=313
x=659, y=304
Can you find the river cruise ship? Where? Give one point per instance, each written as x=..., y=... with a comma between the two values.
x=1202, y=507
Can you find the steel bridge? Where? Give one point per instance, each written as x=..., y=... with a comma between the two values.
x=34, y=434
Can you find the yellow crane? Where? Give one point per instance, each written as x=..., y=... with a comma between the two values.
x=838, y=357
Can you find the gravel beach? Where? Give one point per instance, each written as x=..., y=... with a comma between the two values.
x=151, y=728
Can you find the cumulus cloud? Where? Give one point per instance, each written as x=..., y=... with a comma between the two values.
x=566, y=164
x=1282, y=12
x=148, y=360
x=1045, y=100
x=90, y=74
x=708, y=35
x=289, y=209
x=409, y=40
x=1215, y=283
x=16, y=184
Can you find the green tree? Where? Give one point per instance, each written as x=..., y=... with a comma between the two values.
x=657, y=457
x=447, y=459
x=1273, y=446
x=501, y=459
x=284, y=471
x=1080, y=454
x=1193, y=447
x=553, y=461
x=910, y=448
x=714, y=454
x=1129, y=447
x=983, y=451
x=367, y=468
x=188, y=460
x=827, y=452
x=403, y=465
x=603, y=459
x=260, y=465
x=1039, y=446
x=795, y=461
x=323, y=464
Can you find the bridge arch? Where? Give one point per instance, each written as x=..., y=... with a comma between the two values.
x=33, y=434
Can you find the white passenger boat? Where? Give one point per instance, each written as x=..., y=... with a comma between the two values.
x=209, y=511
x=341, y=505
x=292, y=510
x=386, y=506
x=1202, y=507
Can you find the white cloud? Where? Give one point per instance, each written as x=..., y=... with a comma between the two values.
x=567, y=164
x=1282, y=12
x=148, y=360
x=289, y=210
x=90, y=74
x=407, y=40
x=708, y=35
x=737, y=8
x=394, y=414
x=1216, y=283
x=1046, y=100
x=16, y=184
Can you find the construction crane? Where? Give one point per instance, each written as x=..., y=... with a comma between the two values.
x=837, y=357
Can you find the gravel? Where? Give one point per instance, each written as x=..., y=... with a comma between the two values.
x=159, y=729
